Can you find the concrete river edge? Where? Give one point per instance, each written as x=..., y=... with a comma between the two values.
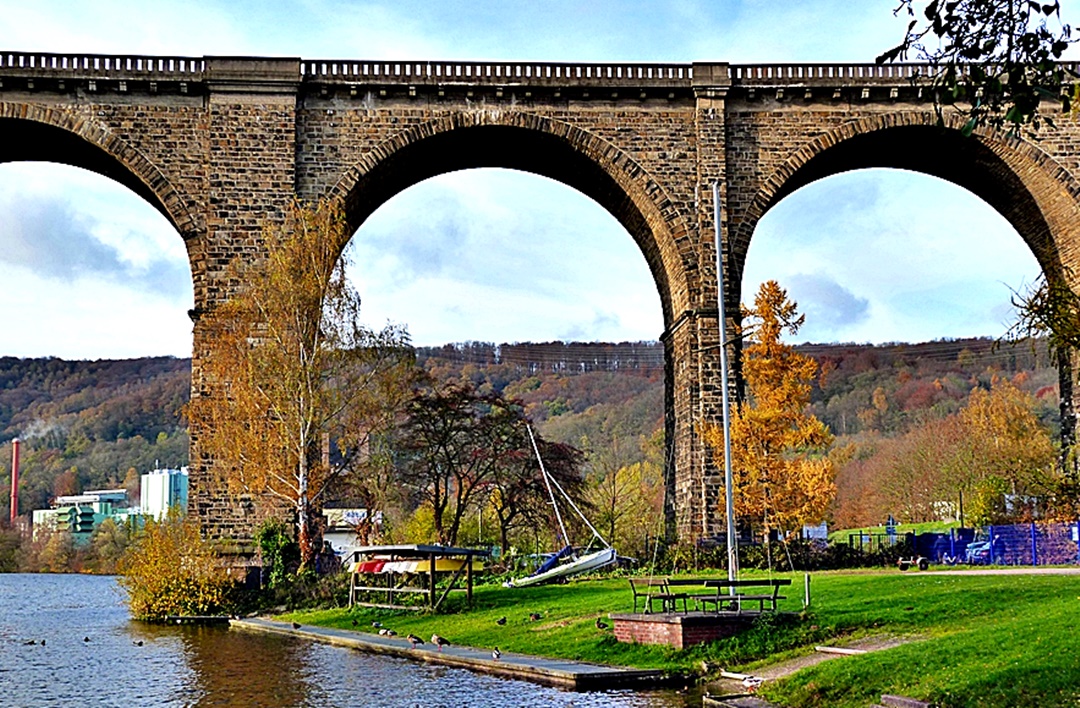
x=564, y=673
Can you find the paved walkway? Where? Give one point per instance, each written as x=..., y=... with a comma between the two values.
x=556, y=672
x=1021, y=570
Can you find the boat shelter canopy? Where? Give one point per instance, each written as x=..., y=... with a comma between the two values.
x=385, y=572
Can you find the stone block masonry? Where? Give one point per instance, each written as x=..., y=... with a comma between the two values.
x=220, y=144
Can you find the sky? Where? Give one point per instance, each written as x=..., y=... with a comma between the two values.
x=88, y=270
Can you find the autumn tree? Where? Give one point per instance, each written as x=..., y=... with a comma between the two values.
x=782, y=475
x=629, y=496
x=452, y=445
x=995, y=445
x=1012, y=452
x=517, y=495
x=169, y=570
x=998, y=58
x=108, y=542
x=297, y=386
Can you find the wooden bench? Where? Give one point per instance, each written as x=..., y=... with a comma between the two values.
x=735, y=601
x=697, y=589
x=649, y=590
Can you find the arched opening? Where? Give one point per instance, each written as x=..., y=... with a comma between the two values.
x=561, y=153
x=888, y=255
x=97, y=287
x=1013, y=179
x=882, y=255
x=91, y=270
x=494, y=255
x=500, y=223
x=47, y=136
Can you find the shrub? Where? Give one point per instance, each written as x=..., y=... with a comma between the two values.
x=171, y=570
x=280, y=553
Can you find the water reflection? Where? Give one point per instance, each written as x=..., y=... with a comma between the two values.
x=214, y=666
x=229, y=668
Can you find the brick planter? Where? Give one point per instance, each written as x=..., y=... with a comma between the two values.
x=679, y=630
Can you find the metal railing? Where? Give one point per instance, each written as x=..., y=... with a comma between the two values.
x=839, y=74
x=824, y=74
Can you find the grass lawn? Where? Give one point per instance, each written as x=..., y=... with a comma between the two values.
x=841, y=535
x=1006, y=640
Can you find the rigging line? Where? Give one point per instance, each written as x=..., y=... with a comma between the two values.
x=661, y=521
x=768, y=541
x=576, y=509
x=545, y=475
x=562, y=491
x=787, y=551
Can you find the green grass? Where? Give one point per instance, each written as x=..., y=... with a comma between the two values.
x=982, y=640
x=841, y=536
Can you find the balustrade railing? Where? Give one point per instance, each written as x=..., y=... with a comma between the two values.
x=832, y=74
x=501, y=73
x=605, y=75
x=101, y=65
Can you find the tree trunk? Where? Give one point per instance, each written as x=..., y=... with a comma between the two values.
x=308, y=524
x=309, y=535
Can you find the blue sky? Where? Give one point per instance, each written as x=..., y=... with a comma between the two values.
x=90, y=271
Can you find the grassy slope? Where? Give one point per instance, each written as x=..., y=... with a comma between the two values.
x=993, y=641
x=988, y=640
x=841, y=536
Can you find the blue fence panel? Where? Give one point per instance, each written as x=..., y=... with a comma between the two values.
x=1057, y=543
x=1015, y=544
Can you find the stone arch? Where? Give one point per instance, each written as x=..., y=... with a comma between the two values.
x=1036, y=195
x=1014, y=177
x=33, y=132
x=543, y=146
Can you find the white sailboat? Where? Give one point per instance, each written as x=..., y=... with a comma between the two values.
x=566, y=562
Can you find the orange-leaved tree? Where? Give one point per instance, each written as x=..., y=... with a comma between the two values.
x=1011, y=453
x=298, y=387
x=783, y=477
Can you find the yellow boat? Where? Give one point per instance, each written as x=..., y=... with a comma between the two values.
x=444, y=565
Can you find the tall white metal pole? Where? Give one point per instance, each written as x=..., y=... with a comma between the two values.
x=729, y=500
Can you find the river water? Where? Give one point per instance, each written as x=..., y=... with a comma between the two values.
x=128, y=663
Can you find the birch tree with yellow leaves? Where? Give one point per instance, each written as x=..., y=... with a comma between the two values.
x=297, y=387
x=783, y=477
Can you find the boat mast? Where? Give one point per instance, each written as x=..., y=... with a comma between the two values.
x=551, y=494
x=729, y=500
x=578, y=511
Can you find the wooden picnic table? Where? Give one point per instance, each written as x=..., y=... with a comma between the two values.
x=735, y=599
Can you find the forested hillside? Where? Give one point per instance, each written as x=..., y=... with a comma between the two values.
x=88, y=424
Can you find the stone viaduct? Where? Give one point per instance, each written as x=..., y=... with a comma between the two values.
x=218, y=144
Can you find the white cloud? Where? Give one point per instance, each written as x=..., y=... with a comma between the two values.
x=931, y=259
x=88, y=318
x=502, y=256
x=89, y=269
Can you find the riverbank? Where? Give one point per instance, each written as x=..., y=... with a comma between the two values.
x=1004, y=638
